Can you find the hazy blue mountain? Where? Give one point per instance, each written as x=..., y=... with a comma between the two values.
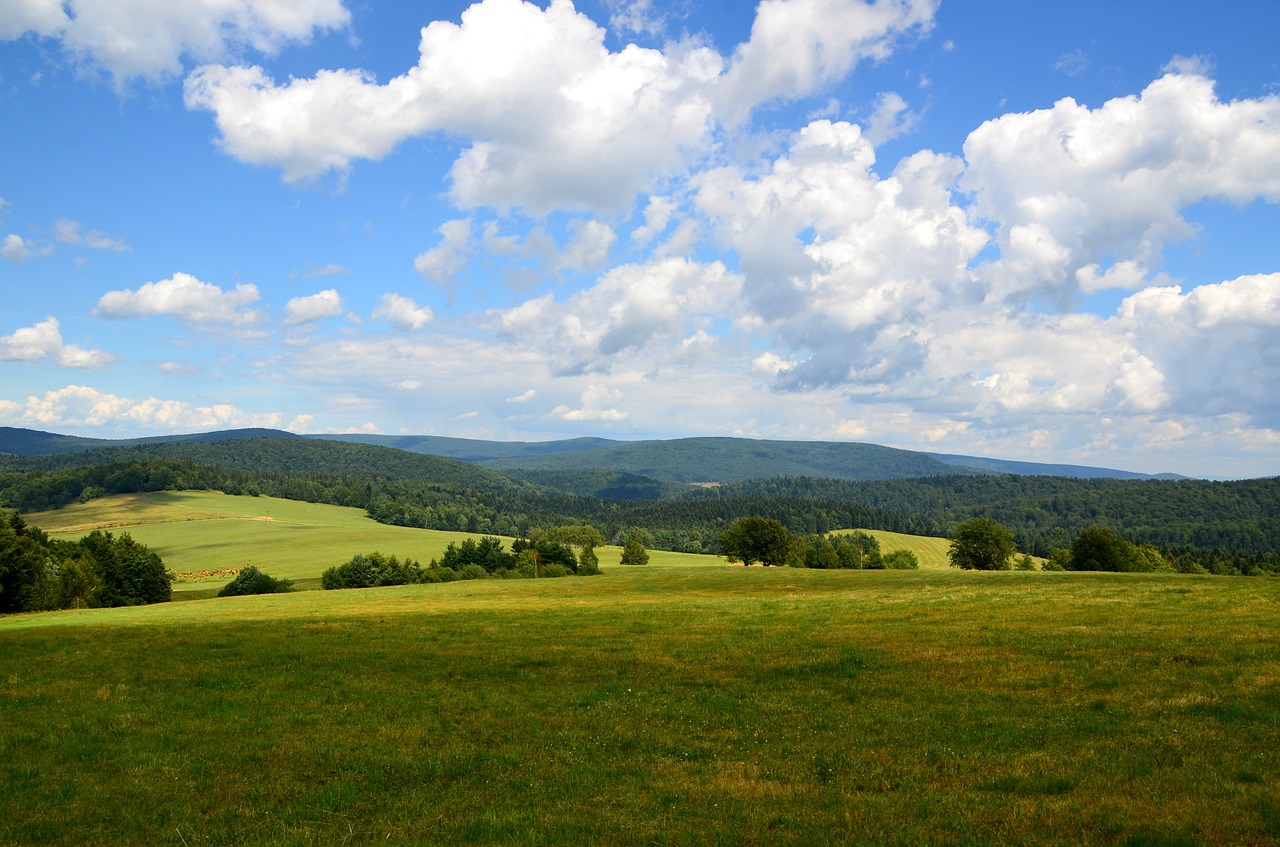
x=30, y=442
x=1002, y=466
x=636, y=466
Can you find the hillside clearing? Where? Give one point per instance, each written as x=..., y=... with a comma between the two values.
x=202, y=531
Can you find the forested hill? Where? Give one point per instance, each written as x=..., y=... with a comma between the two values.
x=30, y=442
x=722, y=459
x=293, y=456
x=1229, y=527
x=684, y=460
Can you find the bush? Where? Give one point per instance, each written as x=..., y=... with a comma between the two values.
x=371, y=571
x=634, y=553
x=473, y=572
x=900, y=560
x=250, y=580
x=588, y=562
x=554, y=571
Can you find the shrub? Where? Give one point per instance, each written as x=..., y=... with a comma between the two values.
x=1059, y=560
x=900, y=560
x=250, y=580
x=634, y=553
x=372, y=570
x=473, y=572
x=588, y=562
x=1024, y=563
x=554, y=571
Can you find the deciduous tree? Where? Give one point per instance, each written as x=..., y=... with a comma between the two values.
x=981, y=544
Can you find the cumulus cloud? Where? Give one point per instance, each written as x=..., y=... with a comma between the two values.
x=1070, y=186
x=139, y=38
x=15, y=248
x=558, y=120
x=44, y=341
x=798, y=46
x=589, y=245
x=657, y=215
x=632, y=307
x=316, y=307
x=403, y=312
x=839, y=262
x=1218, y=345
x=82, y=406
x=442, y=262
x=598, y=404
x=892, y=117
x=185, y=297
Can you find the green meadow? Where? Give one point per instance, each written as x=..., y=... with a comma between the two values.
x=678, y=705
x=199, y=531
x=690, y=704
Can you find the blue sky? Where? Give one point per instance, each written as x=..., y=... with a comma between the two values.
x=1037, y=231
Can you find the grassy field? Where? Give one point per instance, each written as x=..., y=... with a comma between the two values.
x=201, y=531
x=673, y=705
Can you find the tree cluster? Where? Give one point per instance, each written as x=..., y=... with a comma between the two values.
x=101, y=569
x=251, y=580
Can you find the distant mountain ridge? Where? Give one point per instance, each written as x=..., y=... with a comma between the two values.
x=682, y=460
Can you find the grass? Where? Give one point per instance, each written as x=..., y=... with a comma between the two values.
x=670, y=705
x=201, y=531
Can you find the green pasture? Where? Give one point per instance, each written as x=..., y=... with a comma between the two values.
x=672, y=705
x=200, y=531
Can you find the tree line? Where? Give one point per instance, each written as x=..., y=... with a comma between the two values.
x=41, y=574
x=1225, y=527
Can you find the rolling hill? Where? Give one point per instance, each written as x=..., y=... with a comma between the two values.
x=682, y=460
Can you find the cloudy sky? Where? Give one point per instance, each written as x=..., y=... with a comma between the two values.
x=1047, y=231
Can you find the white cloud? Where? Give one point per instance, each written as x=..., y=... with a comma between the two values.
x=41, y=17
x=1070, y=186
x=316, y=307
x=657, y=214
x=15, y=248
x=524, y=397
x=799, y=46
x=403, y=312
x=840, y=263
x=598, y=404
x=589, y=245
x=1218, y=346
x=44, y=340
x=81, y=406
x=1072, y=63
x=331, y=269
x=69, y=232
x=892, y=117
x=638, y=16
x=185, y=297
x=141, y=38
x=442, y=262
x=631, y=308
x=557, y=120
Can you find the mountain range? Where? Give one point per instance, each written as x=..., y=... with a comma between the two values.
x=708, y=460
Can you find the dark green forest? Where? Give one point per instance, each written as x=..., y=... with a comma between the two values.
x=1226, y=527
